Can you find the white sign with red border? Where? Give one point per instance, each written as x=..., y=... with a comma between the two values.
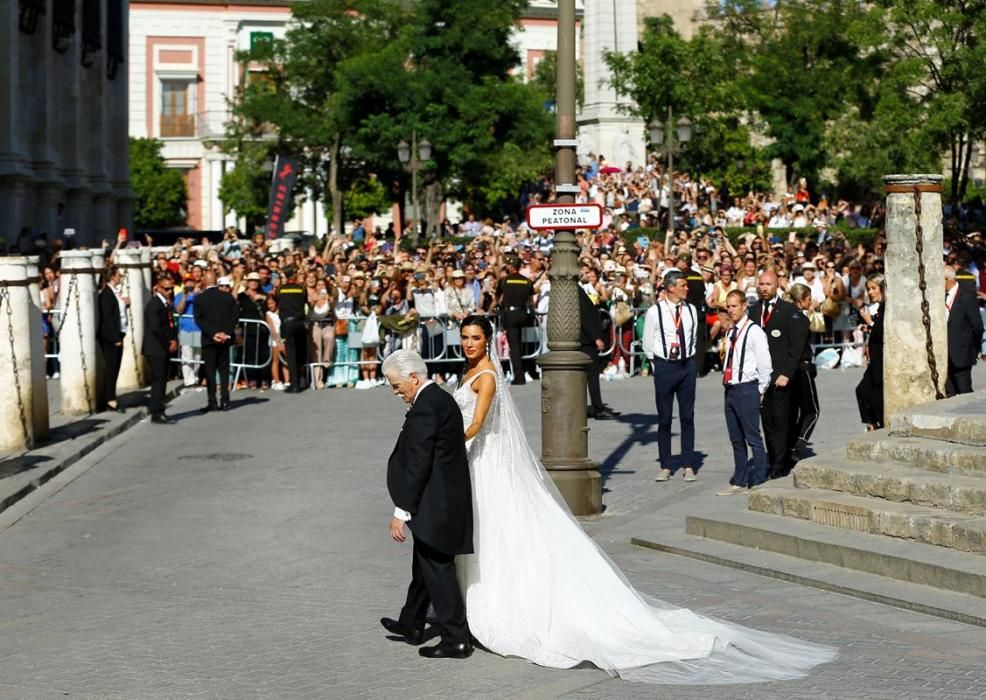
x=564, y=216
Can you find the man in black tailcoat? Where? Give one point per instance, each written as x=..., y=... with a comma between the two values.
x=160, y=343
x=216, y=312
x=965, y=334
x=786, y=340
x=428, y=480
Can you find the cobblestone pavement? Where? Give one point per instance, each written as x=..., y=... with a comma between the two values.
x=245, y=555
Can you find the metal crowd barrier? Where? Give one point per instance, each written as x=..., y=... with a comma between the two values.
x=256, y=330
x=54, y=318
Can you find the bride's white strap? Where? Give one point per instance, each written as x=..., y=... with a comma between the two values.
x=480, y=372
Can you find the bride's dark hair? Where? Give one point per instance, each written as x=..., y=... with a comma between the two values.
x=482, y=321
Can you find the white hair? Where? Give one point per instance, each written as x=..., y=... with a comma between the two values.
x=405, y=363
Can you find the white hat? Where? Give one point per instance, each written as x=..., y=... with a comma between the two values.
x=201, y=263
x=798, y=207
x=224, y=281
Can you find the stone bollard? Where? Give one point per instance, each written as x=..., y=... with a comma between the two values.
x=79, y=357
x=132, y=368
x=39, y=377
x=915, y=346
x=20, y=350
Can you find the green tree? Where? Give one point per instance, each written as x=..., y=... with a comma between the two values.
x=160, y=190
x=245, y=188
x=546, y=78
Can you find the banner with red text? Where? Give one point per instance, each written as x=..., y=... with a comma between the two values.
x=279, y=205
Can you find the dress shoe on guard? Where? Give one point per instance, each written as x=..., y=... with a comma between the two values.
x=446, y=650
x=163, y=419
x=410, y=635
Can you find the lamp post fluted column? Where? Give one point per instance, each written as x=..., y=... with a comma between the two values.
x=564, y=433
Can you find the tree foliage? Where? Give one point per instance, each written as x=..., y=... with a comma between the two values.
x=160, y=190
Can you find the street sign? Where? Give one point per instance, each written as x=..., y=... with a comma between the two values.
x=564, y=216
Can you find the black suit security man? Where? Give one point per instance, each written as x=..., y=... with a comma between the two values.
x=514, y=302
x=786, y=339
x=215, y=314
x=591, y=342
x=160, y=343
x=293, y=301
x=965, y=334
x=110, y=332
x=428, y=480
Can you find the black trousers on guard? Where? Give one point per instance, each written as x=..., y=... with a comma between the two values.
x=514, y=323
x=113, y=354
x=296, y=348
x=433, y=581
x=159, y=378
x=959, y=380
x=804, y=407
x=775, y=414
x=592, y=379
x=216, y=358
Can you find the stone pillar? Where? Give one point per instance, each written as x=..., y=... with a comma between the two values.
x=20, y=349
x=132, y=369
x=146, y=260
x=39, y=377
x=914, y=317
x=79, y=356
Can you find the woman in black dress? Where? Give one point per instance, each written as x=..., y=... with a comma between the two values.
x=869, y=391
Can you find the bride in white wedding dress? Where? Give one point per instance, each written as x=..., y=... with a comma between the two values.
x=538, y=587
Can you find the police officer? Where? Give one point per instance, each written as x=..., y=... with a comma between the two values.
x=785, y=337
x=514, y=295
x=746, y=373
x=669, y=341
x=292, y=300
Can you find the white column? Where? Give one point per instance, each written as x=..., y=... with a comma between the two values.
x=20, y=348
x=77, y=337
x=132, y=368
x=39, y=378
x=146, y=260
x=215, y=221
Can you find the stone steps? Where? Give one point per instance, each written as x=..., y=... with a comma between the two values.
x=924, y=578
x=960, y=531
x=894, y=482
x=920, y=452
x=961, y=419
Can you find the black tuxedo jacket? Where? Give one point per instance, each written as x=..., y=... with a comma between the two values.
x=965, y=330
x=428, y=473
x=215, y=312
x=158, y=328
x=108, y=329
x=786, y=336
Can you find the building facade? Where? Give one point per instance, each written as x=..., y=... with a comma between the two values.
x=63, y=119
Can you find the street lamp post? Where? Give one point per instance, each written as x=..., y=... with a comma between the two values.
x=411, y=158
x=564, y=433
x=684, y=133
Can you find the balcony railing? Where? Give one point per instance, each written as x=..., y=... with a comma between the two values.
x=177, y=126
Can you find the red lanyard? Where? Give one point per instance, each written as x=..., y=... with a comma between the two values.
x=727, y=372
x=765, y=315
x=676, y=317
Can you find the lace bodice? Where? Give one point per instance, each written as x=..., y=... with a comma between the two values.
x=466, y=397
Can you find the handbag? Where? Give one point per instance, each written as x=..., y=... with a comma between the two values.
x=371, y=331
x=830, y=307
x=622, y=313
x=502, y=346
x=342, y=327
x=816, y=322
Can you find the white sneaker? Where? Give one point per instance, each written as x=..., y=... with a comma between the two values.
x=453, y=380
x=277, y=386
x=364, y=384
x=56, y=375
x=528, y=377
x=380, y=382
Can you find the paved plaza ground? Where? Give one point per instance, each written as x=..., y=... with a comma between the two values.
x=245, y=555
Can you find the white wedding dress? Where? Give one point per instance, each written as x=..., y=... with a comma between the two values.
x=538, y=587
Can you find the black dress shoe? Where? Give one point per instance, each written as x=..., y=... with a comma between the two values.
x=224, y=406
x=516, y=383
x=292, y=390
x=163, y=419
x=611, y=410
x=115, y=409
x=446, y=650
x=410, y=635
x=210, y=407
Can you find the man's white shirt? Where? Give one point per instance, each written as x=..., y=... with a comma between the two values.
x=665, y=311
x=751, y=353
x=400, y=513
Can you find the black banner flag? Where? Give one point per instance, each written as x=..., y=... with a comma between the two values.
x=285, y=172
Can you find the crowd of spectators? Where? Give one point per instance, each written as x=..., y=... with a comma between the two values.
x=409, y=291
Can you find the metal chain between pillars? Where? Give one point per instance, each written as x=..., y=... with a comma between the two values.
x=925, y=306
x=5, y=298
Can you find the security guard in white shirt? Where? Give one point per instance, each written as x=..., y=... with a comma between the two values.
x=669, y=342
x=746, y=376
